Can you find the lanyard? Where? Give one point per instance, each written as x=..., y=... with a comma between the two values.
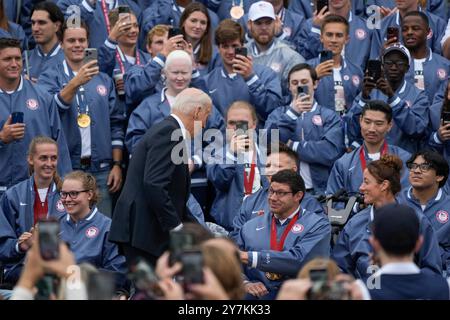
x=121, y=64
x=80, y=95
x=248, y=180
x=362, y=155
x=278, y=246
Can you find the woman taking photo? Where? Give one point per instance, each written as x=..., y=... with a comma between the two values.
x=24, y=204
x=195, y=25
x=352, y=252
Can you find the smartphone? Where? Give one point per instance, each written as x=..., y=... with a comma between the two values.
x=393, y=32
x=445, y=117
x=302, y=91
x=374, y=69
x=241, y=127
x=101, y=285
x=192, y=271
x=318, y=275
x=320, y=4
x=124, y=11
x=49, y=239
x=326, y=55
x=17, y=117
x=174, y=32
x=240, y=50
x=90, y=54
x=178, y=242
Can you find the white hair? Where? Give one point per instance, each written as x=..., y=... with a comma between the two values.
x=190, y=98
x=178, y=55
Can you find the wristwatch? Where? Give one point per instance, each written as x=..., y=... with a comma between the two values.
x=117, y=163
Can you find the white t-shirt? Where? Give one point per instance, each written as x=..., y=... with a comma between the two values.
x=374, y=156
x=339, y=96
x=42, y=194
x=419, y=81
x=85, y=134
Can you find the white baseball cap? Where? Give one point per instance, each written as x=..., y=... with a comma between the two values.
x=261, y=9
x=399, y=48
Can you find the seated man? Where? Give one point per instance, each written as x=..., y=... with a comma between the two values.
x=296, y=236
x=282, y=158
x=316, y=133
x=409, y=104
x=428, y=172
x=375, y=123
x=396, y=238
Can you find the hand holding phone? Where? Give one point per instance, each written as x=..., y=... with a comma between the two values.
x=374, y=69
x=445, y=118
x=16, y=117
x=178, y=242
x=393, y=32
x=302, y=91
x=124, y=11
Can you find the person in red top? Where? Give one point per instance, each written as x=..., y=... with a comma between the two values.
x=25, y=203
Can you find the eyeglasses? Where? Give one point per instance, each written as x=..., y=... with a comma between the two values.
x=399, y=64
x=71, y=194
x=423, y=166
x=278, y=193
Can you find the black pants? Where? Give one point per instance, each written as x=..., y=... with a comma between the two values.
x=132, y=255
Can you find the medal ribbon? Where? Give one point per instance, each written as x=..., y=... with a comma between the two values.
x=248, y=181
x=362, y=155
x=278, y=246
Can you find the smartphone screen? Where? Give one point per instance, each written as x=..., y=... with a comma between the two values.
x=192, y=271
x=302, y=90
x=49, y=239
x=445, y=117
x=392, y=32
x=17, y=117
x=374, y=69
x=124, y=11
x=178, y=242
x=326, y=55
x=318, y=275
x=241, y=50
x=320, y=4
x=174, y=32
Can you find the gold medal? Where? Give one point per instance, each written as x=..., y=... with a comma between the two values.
x=273, y=276
x=236, y=12
x=83, y=120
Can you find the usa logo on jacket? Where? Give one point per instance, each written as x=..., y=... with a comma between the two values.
x=297, y=228
x=101, y=90
x=92, y=232
x=32, y=104
x=442, y=216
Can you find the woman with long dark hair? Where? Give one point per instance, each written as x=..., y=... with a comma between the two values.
x=195, y=25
